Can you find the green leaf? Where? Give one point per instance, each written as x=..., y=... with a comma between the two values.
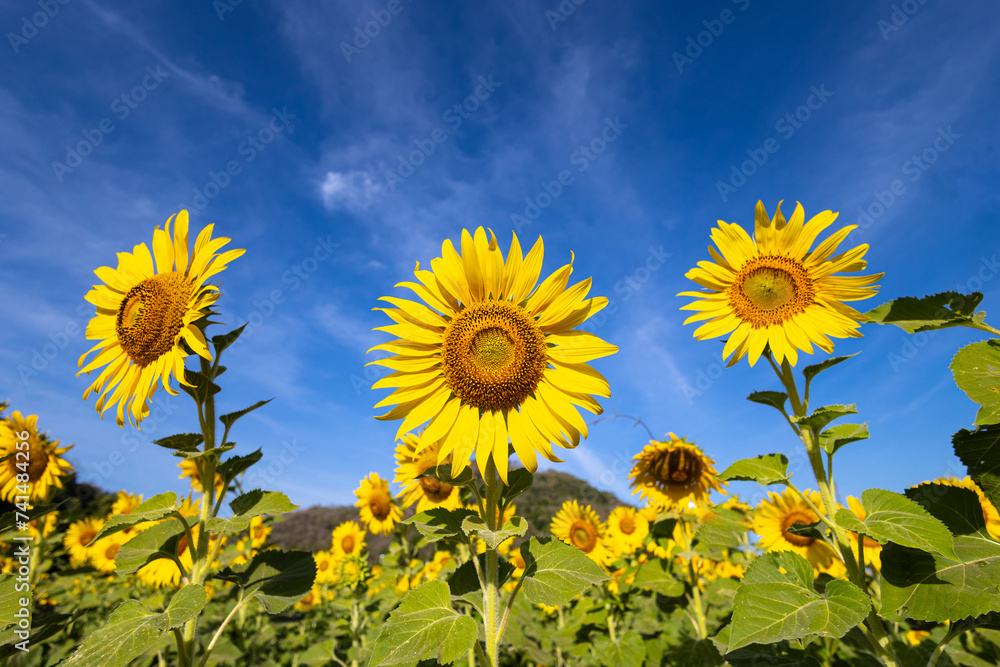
x=628, y=651
x=775, y=399
x=198, y=386
x=979, y=450
x=556, y=572
x=723, y=530
x=9, y=600
x=153, y=543
x=976, y=368
x=425, y=627
x=772, y=605
x=277, y=578
x=8, y=521
x=185, y=442
x=230, y=418
x=41, y=629
x=655, y=576
x=213, y=453
x=766, y=470
x=154, y=509
x=519, y=481
x=809, y=372
x=231, y=468
x=464, y=582
x=223, y=341
x=131, y=630
x=779, y=654
x=892, y=517
x=442, y=473
x=439, y=523
x=940, y=311
x=493, y=538
x=836, y=437
x=249, y=505
x=820, y=417
x=958, y=508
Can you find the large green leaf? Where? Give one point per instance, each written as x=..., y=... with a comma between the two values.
x=655, y=576
x=766, y=470
x=131, y=630
x=837, y=436
x=439, y=523
x=153, y=543
x=940, y=311
x=249, y=505
x=958, y=508
x=892, y=517
x=425, y=627
x=976, y=368
x=277, y=578
x=493, y=538
x=820, y=417
x=723, y=530
x=628, y=651
x=556, y=572
x=979, y=450
x=464, y=582
x=777, y=601
x=154, y=509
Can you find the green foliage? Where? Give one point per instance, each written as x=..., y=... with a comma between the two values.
x=425, y=627
x=229, y=419
x=154, y=509
x=132, y=629
x=232, y=467
x=474, y=525
x=249, y=505
x=443, y=474
x=766, y=470
x=891, y=517
x=182, y=442
x=976, y=368
x=820, y=417
x=656, y=576
x=940, y=311
x=278, y=579
x=627, y=651
x=555, y=572
x=810, y=372
x=777, y=601
x=153, y=543
x=979, y=450
x=519, y=481
x=776, y=399
x=837, y=436
x=440, y=523
x=222, y=341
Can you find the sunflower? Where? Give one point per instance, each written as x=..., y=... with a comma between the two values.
x=426, y=492
x=103, y=552
x=873, y=550
x=779, y=512
x=771, y=290
x=41, y=461
x=580, y=527
x=516, y=560
x=990, y=513
x=672, y=473
x=490, y=358
x=348, y=540
x=327, y=567
x=41, y=528
x=125, y=502
x=189, y=469
x=78, y=538
x=147, y=316
x=378, y=512
x=312, y=599
x=627, y=529
x=163, y=571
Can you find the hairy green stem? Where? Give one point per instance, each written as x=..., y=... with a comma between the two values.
x=491, y=598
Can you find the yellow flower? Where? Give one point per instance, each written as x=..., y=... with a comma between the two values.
x=41, y=528
x=353, y=570
x=627, y=529
x=378, y=512
x=327, y=567
x=873, y=550
x=189, y=469
x=103, y=552
x=773, y=291
x=728, y=570
x=311, y=601
x=778, y=513
x=348, y=540
x=164, y=572
x=426, y=492
x=40, y=467
x=125, y=502
x=490, y=358
x=517, y=560
x=147, y=314
x=990, y=513
x=580, y=527
x=672, y=473
x=78, y=538
x=914, y=637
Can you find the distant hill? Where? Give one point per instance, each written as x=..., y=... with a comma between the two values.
x=310, y=529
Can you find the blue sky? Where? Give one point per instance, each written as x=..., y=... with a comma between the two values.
x=279, y=122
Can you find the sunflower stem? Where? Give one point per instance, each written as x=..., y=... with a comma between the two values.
x=491, y=598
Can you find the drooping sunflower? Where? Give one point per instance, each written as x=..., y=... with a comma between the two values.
x=490, y=358
x=78, y=537
x=779, y=512
x=147, y=316
x=627, y=529
x=348, y=540
x=580, y=527
x=873, y=550
x=672, y=473
x=426, y=492
x=379, y=512
x=41, y=461
x=772, y=290
x=990, y=513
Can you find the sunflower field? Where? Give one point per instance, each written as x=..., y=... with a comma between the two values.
x=490, y=366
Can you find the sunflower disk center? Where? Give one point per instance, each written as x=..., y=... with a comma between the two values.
x=39, y=461
x=583, y=536
x=493, y=355
x=678, y=468
x=151, y=315
x=380, y=508
x=436, y=490
x=770, y=290
x=347, y=544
